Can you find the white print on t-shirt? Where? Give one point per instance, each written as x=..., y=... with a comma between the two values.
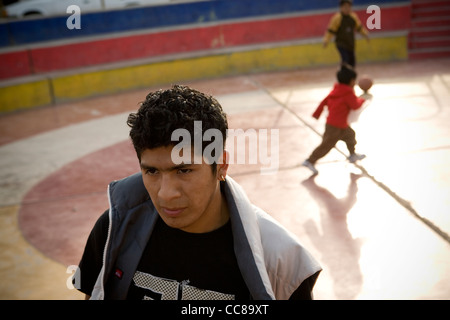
x=169, y=289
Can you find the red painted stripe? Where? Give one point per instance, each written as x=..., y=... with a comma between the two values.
x=120, y=49
x=91, y=53
x=14, y=64
x=254, y=32
x=421, y=4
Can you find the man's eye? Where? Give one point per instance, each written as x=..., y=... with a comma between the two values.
x=151, y=171
x=184, y=171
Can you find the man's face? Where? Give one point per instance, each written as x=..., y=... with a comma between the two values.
x=346, y=8
x=186, y=196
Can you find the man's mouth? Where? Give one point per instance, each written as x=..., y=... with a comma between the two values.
x=172, y=211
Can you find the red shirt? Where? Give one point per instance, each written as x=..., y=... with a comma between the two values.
x=339, y=101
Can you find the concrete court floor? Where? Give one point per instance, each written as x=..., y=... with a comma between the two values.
x=370, y=225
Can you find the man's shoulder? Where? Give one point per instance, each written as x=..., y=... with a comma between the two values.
x=287, y=261
x=128, y=192
x=133, y=181
x=336, y=18
x=354, y=15
x=287, y=243
x=272, y=229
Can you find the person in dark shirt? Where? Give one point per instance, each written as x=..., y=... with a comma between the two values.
x=343, y=26
x=185, y=229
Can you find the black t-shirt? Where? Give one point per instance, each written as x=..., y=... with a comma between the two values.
x=178, y=265
x=345, y=36
x=174, y=265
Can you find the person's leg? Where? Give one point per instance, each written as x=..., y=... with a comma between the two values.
x=329, y=140
x=347, y=57
x=349, y=137
x=352, y=59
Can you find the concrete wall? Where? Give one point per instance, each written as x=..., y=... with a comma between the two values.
x=173, y=43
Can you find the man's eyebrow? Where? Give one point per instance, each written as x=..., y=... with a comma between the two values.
x=176, y=167
x=146, y=167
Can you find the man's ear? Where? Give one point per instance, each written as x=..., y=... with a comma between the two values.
x=222, y=165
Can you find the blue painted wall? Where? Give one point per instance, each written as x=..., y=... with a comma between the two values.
x=53, y=28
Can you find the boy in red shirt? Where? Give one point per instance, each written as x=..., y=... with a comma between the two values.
x=339, y=101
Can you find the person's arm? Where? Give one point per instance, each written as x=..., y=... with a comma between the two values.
x=92, y=259
x=320, y=108
x=355, y=102
x=360, y=27
x=332, y=29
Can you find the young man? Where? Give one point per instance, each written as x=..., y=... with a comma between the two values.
x=343, y=26
x=184, y=230
x=339, y=101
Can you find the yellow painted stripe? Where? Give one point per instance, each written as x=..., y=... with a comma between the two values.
x=93, y=83
x=382, y=49
x=25, y=95
x=26, y=273
x=110, y=81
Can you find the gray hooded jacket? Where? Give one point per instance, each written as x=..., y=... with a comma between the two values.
x=272, y=261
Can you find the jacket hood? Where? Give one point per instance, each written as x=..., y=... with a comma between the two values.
x=271, y=269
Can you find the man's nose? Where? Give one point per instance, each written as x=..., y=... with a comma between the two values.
x=169, y=188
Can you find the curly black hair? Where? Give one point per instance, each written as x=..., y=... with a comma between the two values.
x=164, y=111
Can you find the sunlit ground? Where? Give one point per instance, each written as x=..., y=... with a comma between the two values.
x=390, y=253
x=370, y=245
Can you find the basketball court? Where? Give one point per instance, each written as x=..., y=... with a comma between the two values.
x=380, y=229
